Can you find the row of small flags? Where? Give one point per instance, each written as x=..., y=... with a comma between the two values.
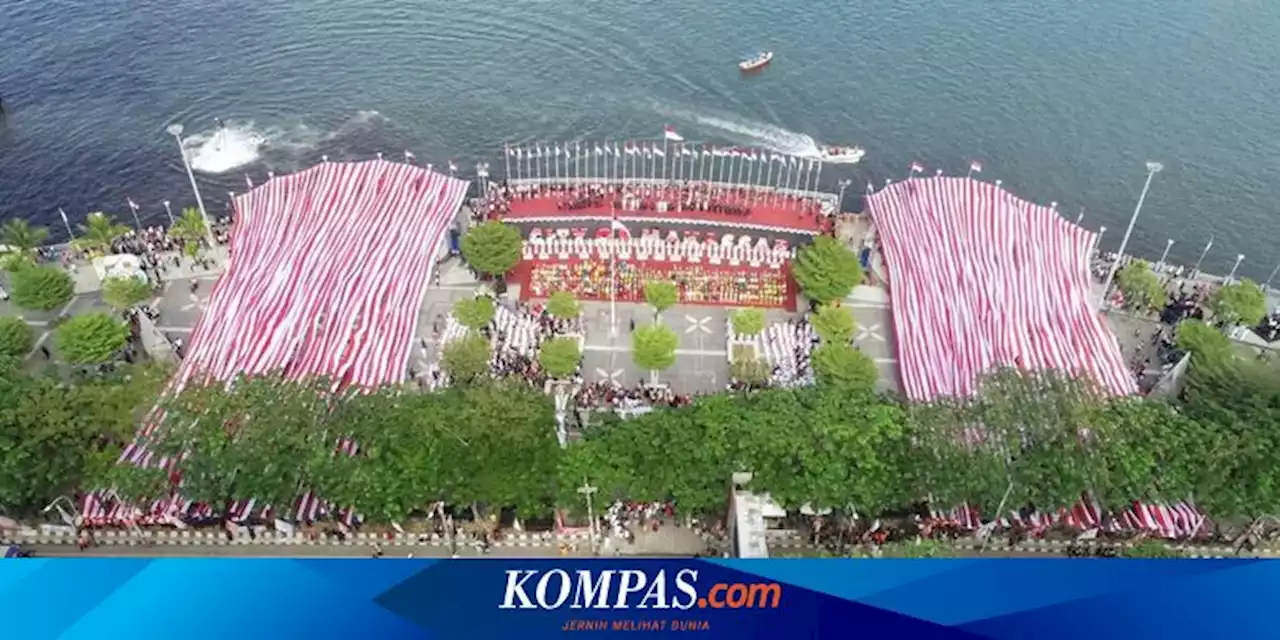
x=648, y=150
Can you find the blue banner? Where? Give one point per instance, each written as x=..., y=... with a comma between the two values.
x=776, y=599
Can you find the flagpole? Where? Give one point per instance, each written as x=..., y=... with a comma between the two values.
x=136, y=222
x=613, y=275
x=665, y=147
x=1202, y=255
x=507, y=175
x=70, y=236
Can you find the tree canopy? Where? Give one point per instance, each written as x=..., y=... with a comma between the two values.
x=563, y=305
x=41, y=288
x=1241, y=302
x=834, y=323
x=661, y=295
x=827, y=270
x=466, y=359
x=492, y=248
x=190, y=226
x=1141, y=287
x=474, y=313
x=98, y=231
x=747, y=367
x=19, y=236
x=560, y=357
x=1199, y=338
x=125, y=292
x=841, y=364
x=653, y=347
x=16, y=338
x=91, y=338
x=747, y=322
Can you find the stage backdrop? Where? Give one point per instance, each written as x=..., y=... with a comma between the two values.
x=474, y=599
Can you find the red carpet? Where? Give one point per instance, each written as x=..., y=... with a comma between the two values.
x=781, y=215
x=741, y=286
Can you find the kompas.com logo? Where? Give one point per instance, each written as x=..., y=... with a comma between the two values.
x=631, y=589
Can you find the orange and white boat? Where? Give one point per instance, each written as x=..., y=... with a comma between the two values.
x=758, y=61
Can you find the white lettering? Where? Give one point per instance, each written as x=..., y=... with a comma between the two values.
x=541, y=592
x=657, y=591
x=515, y=589
x=685, y=579
x=587, y=590
x=632, y=582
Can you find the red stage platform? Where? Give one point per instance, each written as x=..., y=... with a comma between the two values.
x=760, y=212
x=714, y=285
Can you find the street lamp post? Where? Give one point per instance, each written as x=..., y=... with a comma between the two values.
x=1231, y=277
x=587, y=490
x=175, y=130
x=1152, y=169
x=169, y=211
x=1164, y=256
x=1196, y=269
x=1267, y=287
x=1097, y=241
x=844, y=184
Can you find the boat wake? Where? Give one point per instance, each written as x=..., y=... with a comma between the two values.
x=767, y=136
x=239, y=144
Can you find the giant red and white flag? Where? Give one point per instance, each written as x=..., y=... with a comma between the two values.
x=669, y=132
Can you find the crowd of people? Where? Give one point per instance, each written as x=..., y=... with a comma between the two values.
x=786, y=348
x=590, y=279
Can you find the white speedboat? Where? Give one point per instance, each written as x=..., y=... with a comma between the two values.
x=757, y=61
x=845, y=155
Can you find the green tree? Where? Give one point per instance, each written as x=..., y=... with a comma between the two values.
x=41, y=288
x=492, y=248
x=22, y=238
x=834, y=324
x=827, y=270
x=466, y=360
x=190, y=228
x=653, y=347
x=747, y=322
x=661, y=295
x=16, y=338
x=560, y=357
x=91, y=338
x=1150, y=549
x=125, y=292
x=474, y=313
x=98, y=231
x=1141, y=287
x=843, y=365
x=1239, y=303
x=1199, y=338
x=918, y=548
x=747, y=368
x=562, y=305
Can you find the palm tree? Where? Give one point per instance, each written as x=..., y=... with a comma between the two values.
x=21, y=237
x=190, y=227
x=98, y=232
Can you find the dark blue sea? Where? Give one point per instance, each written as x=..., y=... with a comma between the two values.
x=1063, y=101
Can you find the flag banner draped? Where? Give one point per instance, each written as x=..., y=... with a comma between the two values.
x=981, y=279
x=372, y=227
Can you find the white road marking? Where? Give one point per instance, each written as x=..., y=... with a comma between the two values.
x=605, y=375
x=869, y=332
x=698, y=324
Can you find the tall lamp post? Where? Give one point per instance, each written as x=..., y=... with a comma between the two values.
x=587, y=490
x=175, y=130
x=1164, y=256
x=1207, y=246
x=844, y=184
x=1266, y=288
x=1152, y=169
x=1231, y=277
x=1097, y=241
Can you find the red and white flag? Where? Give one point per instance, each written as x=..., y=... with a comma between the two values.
x=620, y=229
x=669, y=132
x=916, y=167
x=975, y=167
